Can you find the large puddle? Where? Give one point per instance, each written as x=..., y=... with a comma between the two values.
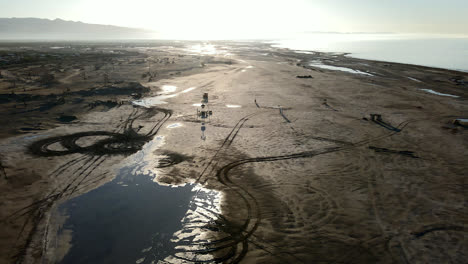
x=133, y=219
x=130, y=219
x=319, y=64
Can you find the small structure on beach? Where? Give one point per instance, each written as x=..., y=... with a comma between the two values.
x=204, y=113
x=203, y=128
x=376, y=117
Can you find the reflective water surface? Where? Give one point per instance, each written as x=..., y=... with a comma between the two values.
x=318, y=64
x=159, y=99
x=133, y=219
x=448, y=52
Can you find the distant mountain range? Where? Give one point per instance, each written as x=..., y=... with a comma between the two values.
x=58, y=29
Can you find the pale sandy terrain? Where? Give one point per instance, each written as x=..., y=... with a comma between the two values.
x=305, y=175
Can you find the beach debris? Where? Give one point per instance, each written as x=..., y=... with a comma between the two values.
x=325, y=103
x=304, y=76
x=390, y=151
x=463, y=122
x=459, y=80
x=281, y=111
x=377, y=118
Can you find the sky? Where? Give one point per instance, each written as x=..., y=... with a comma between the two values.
x=254, y=18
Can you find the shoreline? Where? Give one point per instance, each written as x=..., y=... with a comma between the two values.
x=374, y=56
x=382, y=61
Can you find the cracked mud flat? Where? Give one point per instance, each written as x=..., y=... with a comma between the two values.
x=298, y=174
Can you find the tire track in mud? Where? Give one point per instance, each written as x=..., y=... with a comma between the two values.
x=52, y=194
x=38, y=209
x=128, y=142
x=227, y=142
x=210, y=215
x=36, y=215
x=241, y=234
x=254, y=217
x=394, y=246
x=252, y=206
x=325, y=212
x=37, y=212
x=61, y=170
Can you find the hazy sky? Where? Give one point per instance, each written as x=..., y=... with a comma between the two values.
x=254, y=18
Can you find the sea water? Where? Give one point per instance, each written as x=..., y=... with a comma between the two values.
x=449, y=52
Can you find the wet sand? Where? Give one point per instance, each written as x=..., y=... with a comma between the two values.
x=305, y=173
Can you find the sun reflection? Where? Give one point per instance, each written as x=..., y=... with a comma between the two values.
x=197, y=226
x=206, y=49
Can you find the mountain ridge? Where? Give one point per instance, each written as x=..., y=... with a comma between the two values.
x=59, y=29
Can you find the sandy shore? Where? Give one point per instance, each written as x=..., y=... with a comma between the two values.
x=305, y=172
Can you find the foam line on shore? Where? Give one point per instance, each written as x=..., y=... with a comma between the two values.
x=441, y=94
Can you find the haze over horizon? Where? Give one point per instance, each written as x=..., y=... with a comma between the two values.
x=215, y=19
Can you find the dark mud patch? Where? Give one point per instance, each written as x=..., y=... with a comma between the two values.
x=304, y=76
x=108, y=104
x=121, y=89
x=66, y=118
